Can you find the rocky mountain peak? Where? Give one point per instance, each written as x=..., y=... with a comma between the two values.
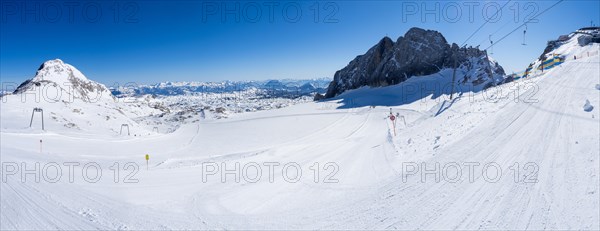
x=416, y=34
x=419, y=52
x=67, y=80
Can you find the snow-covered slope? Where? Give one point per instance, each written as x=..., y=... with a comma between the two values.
x=575, y=45
x=70, y=103
x=535, y=130
x=69, y=99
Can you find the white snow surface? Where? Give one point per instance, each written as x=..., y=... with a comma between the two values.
x=537, y=123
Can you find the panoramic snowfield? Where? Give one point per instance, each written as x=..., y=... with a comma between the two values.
x=527, y=153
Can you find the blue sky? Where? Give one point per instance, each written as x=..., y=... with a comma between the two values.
x=155, y=41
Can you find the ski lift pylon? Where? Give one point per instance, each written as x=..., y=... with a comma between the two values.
x=126, y=126
x=41, y=111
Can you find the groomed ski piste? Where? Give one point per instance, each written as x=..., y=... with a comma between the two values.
x=534, y=130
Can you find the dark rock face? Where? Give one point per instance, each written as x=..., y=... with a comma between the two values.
x=318, y=97
x=419, y=52
x=550, y=46
x=359, y=71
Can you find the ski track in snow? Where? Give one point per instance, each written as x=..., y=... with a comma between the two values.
x=555, y=134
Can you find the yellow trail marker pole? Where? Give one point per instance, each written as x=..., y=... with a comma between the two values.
x=147, y=158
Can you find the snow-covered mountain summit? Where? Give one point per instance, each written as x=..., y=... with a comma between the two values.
x=57, y=80
x=70, y=103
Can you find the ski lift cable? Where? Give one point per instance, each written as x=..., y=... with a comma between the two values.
x=525, y=23
x=482, y=25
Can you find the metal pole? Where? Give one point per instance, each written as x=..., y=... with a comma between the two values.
x=42, y=120
x=453, y=77
x=31, y=121
x=489, y=67
x=404, y=121
x=395, y=126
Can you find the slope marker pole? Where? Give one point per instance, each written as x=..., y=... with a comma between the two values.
x=393, y=119
x=453, y=76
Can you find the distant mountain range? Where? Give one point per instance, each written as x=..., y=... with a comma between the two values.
x=287, y=88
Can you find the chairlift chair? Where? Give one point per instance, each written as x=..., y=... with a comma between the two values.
x=491, y=45
x=524, y=32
